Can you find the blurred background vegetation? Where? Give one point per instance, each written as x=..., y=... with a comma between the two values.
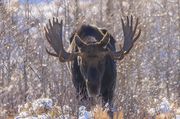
x=149, y=73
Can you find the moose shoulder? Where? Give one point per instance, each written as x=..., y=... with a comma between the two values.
x=93, y=56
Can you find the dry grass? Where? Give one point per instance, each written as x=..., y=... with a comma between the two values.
x=100, y=113
x=165, y=116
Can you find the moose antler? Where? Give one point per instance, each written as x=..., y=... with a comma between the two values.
x=53, y=34
x=129, y=38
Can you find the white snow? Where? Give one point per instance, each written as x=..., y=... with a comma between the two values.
x=42, y=103
x=177, y=116
x=44, y=116
x=164, y=106
x=84, y=114
x=66, y=109
x=30, y=117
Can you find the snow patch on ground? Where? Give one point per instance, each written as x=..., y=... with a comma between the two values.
x=42, y=104
x=44, y=108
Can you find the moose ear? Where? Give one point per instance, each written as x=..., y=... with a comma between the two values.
x=79, y=42
x=105, y=40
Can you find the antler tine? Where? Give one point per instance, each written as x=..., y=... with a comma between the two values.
x=127, y=21
x=50, y=24
x=139, y=33
x=122, y=23
x=131, y=21
x=134, y=31
x=46, y=32
x=60, y=24
x=55, y=20
x=53, y=54
x=47, y=28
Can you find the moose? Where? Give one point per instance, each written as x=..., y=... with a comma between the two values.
x=92, y=54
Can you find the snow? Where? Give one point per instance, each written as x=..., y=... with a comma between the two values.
x=44, y=116
x=177, y=116
x=164, y=106
x=162, y=110
x=66, y=116
x=84, y=114
x=24, y=114
x=43, y=103
x=155, y=55
x=66, y=109
x=30, y=117
x=38, y=109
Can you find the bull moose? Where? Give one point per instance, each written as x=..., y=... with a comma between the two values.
x=92, y=55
